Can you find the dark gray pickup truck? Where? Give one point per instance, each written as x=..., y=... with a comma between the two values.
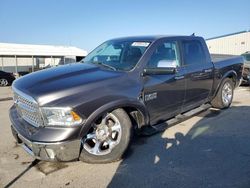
x=90, y=110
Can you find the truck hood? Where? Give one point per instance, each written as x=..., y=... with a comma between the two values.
x=55, y=83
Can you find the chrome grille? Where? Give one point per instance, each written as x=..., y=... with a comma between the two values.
x=27, y=108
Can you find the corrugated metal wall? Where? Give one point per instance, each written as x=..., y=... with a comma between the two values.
x=8, y=64
x=24, y=64
x=233, y=44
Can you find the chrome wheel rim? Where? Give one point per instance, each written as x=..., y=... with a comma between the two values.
x=103, y=136
x=3, y=82
x=227, y=94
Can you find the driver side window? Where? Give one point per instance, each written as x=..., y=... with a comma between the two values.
x=165, y=55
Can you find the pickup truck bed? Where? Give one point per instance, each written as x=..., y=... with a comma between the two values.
x=220, y=57
x=246, y=67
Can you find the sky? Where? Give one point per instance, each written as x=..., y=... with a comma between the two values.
x=86, y=24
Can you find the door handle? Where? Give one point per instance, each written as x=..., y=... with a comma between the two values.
x=179, y=77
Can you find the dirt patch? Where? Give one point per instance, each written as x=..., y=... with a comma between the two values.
x=49, y=167
x=67, y=183
x=16, y=156
x=15, y=145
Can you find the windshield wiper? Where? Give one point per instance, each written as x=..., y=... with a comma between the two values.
x=105, y=65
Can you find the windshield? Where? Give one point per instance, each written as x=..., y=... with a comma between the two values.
x=117, y=55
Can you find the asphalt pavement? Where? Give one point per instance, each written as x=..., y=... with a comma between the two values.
x=5, y=93
x=211, y=149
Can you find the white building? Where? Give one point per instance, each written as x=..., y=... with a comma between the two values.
x=28, y=58
x=233, y=44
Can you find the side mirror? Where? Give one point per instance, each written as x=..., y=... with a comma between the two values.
x=164, y=67
x=167, y=64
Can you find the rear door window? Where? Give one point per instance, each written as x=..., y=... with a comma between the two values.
x=193, y=52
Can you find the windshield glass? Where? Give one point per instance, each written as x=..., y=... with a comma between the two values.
x=117, y=55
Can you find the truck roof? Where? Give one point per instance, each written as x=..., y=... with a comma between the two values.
x=152, y=38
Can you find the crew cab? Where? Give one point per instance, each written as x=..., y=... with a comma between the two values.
x=90, y=110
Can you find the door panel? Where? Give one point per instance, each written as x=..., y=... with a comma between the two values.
x=168, y=95
x=199, y=82
x=164, y=94
x=199, y=75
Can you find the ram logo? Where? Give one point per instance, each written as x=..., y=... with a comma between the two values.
x=151, y=96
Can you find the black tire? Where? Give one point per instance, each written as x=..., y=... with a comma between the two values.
x=118, y=151
x=218, y=101
x=4, y=82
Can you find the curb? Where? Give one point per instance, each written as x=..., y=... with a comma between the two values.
x=6, y=99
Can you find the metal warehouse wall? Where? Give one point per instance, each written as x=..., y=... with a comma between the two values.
x=20, y=58
x=235, y=44
x=24, y=64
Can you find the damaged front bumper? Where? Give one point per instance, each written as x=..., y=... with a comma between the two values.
x=62, y=151
x=55, y=144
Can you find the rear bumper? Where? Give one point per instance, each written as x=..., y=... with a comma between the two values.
x=48, y=144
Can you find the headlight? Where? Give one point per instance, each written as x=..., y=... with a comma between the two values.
x=60, y=116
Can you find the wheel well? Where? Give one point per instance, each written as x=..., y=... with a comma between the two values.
x=135, y=116
x=232, y=77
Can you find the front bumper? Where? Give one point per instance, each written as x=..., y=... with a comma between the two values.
x=64, y=151
x=58, y=144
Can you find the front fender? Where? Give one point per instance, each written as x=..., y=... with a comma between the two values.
x=114, y=105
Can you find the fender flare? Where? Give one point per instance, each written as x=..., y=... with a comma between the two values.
x=228, y=74
x=112, y=106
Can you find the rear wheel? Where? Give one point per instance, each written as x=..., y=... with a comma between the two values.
x=224, y=97
x=3, y=82
x=108, y=138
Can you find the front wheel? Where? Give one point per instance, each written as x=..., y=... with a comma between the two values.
x=108, y=138
x=224, y=97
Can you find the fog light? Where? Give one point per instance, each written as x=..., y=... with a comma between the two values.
x=50, y=153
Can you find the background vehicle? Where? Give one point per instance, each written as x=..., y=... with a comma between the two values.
x=246, y=69
x=89, y=110
x=22, y=73
x=6, y=78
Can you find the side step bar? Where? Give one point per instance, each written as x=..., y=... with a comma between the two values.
x=150, y=130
